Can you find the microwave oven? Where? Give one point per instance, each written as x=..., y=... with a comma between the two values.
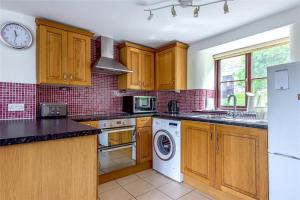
x=139, y=104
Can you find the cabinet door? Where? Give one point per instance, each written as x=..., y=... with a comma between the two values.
x=147, y=70
x=134, y=64
x=52, y=55
x=144, y=144
x=242, y=161
x=198, y=151
x=79, y=59
x=165, y=69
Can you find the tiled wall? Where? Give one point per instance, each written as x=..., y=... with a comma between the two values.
x=17, y=93
x=102, y=97
x=188, y=100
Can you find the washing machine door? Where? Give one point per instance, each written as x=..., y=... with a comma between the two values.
x=164, y=145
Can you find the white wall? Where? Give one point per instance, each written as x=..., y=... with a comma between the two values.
x=200, y=61
x=275, y=21
x=295, y=42
x=17, y=66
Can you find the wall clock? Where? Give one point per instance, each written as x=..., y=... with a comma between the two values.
x=15, y=35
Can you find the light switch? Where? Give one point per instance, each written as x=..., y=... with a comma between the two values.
x=16, y=107
x=298, y=96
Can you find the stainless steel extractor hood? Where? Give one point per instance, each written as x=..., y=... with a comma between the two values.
x=106, y=63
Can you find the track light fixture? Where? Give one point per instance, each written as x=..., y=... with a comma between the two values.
x=226, y=7
x=173, y=11
x=196, y=11
x=150, y=15
x=186, y=4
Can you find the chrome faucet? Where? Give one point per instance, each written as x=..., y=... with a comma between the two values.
x=234, y=104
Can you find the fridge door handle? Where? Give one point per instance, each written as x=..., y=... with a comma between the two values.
x=287, y=156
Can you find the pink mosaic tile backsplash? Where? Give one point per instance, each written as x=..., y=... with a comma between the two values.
x=17, y=93
x=102, y=97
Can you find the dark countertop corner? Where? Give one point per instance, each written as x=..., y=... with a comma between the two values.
x=34, y=130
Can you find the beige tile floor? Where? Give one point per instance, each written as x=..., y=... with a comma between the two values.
x=148, y=185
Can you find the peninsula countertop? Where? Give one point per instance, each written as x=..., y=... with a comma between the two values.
x=34, y=130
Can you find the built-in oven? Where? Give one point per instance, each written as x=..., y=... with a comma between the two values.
x=117, y=144
x=139, y=104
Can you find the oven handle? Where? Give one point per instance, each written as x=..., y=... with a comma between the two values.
x=114, y=130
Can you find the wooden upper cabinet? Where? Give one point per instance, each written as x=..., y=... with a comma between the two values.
x=134, y=59
x=52, y=55
x=140, y=60
x=241, y=164
x=79, y=59
x=63, y=54
x=198, y=151
x=171, y=67
x=165, y=69
x=147, y=70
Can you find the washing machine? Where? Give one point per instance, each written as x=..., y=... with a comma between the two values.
x=167, y=148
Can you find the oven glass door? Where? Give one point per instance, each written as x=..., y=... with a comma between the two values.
x=117, y=149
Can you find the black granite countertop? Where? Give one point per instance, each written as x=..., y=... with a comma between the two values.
x=27, y=131
x=98, y=117
x=262, y=124
x=184, y=116
x=34, y=130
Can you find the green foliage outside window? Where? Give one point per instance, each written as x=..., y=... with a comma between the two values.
x=233, y=69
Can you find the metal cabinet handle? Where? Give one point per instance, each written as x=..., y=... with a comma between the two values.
x=65, y=77
x=211, y=136
x=217, y=143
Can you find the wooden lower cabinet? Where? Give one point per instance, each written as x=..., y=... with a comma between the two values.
x=241, y=164
x=198, y=145
x=55, y=169
x=228, y=162
x=144, y=144
x=144, y=139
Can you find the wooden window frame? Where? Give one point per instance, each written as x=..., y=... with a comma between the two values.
x=248, y=80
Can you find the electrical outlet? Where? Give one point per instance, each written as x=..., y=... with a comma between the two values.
x=16, y=107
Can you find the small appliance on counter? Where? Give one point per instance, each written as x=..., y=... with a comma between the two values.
x=173, y=107
x=139, y=104
x=53, y=110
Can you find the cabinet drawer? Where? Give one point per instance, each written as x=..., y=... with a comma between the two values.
x=94, y=124
x=144, y=122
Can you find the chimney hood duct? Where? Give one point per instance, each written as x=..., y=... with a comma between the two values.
x=106, y=63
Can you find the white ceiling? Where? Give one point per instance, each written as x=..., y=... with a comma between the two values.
x=127, y=20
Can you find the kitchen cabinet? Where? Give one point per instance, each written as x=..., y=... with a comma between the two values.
x=241, y=161
x=144, y=139
x=198, y=151
x=227, y=161
x=63, y=54
x=140, y=60
x=55, y=169
x=171, y=67
x=94, y=124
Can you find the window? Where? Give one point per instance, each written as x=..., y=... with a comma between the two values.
x=247, y=72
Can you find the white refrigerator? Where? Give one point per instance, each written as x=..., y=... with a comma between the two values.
x=284, y=131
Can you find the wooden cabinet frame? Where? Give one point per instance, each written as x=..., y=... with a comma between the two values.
x=63, y=54
x=140, y=60
x=171, y=67
x=236, y=158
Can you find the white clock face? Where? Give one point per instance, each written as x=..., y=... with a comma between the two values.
x=16, y=35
